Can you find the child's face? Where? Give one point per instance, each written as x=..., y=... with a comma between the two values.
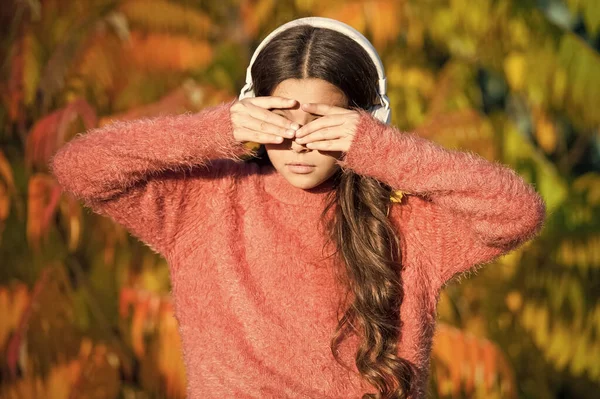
x=324, y=162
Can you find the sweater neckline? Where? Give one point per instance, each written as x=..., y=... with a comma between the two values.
x=279, y=188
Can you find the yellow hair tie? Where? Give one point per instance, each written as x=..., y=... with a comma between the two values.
x=397, y=196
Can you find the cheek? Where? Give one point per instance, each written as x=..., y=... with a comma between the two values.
x=329, y=157
x=327, y=165
x=276, y=151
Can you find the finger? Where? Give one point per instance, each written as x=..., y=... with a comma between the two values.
x=323, y=109
x=328, y=145
x=266, y=127
x=271, y=117
x=326, y=133
x=320, y=123
x=273, y=102
x=259, y=137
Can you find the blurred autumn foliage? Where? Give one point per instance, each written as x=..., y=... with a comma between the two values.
x=84, y=307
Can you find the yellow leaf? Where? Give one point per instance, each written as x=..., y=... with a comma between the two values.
x=514, y=301
x=31, y=67
x=545, y=131
x=306, y=5
x=519, y=33
x=515, y=68
x=559, y=86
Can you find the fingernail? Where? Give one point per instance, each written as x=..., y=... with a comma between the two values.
x=289, y=133
x=295, y=126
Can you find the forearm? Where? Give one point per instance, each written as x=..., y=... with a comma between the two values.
x=502, y=209
x=105, y=161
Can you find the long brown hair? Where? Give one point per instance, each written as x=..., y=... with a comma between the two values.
x=365, y=239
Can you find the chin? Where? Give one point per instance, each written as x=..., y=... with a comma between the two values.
x=303, y=181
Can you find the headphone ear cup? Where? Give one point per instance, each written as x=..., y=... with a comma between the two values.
x=246, y=94
x=381, y=113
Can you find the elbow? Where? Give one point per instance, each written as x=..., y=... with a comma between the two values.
x=539, y=215
x=61, y=168
x=511, y=229
x=535, y=220
x=58, y=166
x=528, y=226
x=73, y=173
x=533, y=214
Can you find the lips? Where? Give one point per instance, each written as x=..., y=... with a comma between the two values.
x=299, y=164
x=300, y=168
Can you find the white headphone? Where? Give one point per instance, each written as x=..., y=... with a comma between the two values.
x=380, y=111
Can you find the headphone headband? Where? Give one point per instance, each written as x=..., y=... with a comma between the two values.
x=381, y=112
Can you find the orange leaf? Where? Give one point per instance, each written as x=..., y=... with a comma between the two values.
x=13, y=303
x=383, y=18
x=460, y=360
x=164, y=52
x=254, y=14
x=70, y=210
x=351, y=13
x=166, y=16
x=6, y=173
x=43, y=196
x=49, y=133
x=188, y=97
x=14, y=345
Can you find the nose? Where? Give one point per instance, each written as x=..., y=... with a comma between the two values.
x=298, y=147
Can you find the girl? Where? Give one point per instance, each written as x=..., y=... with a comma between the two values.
x=294, y=274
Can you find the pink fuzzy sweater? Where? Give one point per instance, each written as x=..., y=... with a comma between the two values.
x=254, y=294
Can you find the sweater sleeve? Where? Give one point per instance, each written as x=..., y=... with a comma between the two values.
x=138, y=172
x=473, y=210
